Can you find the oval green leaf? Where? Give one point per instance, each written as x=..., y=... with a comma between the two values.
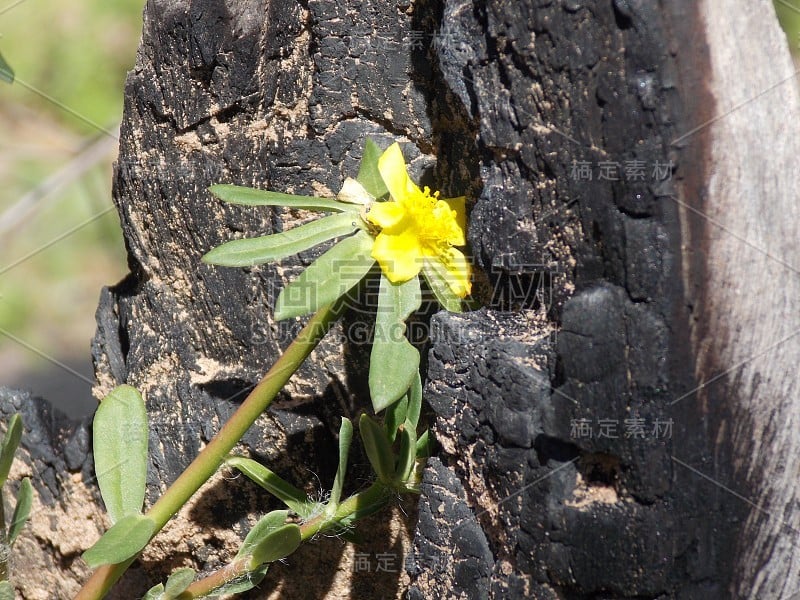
x=256, y=251
x=120, y=451
x=328, y=278
x=279, y=544
x=261, y=530
x=236, y=194
x=124, y=540
x=155, y=593
x=394, y=362
x=284, y=491
x=9, y=447
x=378, y=448
x=178, y=582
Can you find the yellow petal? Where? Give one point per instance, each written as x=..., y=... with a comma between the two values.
x=459, y=205
x=399, y=256
x=385, y=214
x=392, y=168
x=449, y=228
x=459, y=272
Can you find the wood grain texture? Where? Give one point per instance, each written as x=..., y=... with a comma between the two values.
x=750, y=228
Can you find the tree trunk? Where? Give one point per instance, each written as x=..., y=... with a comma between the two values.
x=617, y=420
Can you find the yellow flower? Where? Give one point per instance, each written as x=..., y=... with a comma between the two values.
x=417, y=227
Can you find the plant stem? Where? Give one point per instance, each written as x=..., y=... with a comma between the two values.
x=209, y=460
x=356, y=506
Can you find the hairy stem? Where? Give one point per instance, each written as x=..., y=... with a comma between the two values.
x=209, y=460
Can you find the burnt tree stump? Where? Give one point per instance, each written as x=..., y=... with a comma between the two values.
x=619, y=420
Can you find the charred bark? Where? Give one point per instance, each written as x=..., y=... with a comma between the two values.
x=614, y=423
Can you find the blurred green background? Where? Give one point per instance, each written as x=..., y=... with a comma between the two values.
x=59, y=238
x=70, y=60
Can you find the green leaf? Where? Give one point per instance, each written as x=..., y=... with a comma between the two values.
x=327, y=278
x=424, y=445
x=395, y=416
x=9, y=447
x=279, y=544
x=266, y=525
x=436, y=276
x=6, y=72
x=408, y=453
x=6, y=591
x=256, y=251
x=120, y=451
x=415, y=401
x=394, y=362
x=284, y=491
x=178, y=582
x=378, y=448
x=124, y=540
x=368, y=174
x=155, y=593
x=270, y=539
x=369, y=506
x=345, y=437
x=22, y=511
x=236, y=194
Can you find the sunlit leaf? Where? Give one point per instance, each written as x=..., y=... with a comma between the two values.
x=124, y=540
x=378, y=448
x=120, y=451
x=327, y=278
x=394, y=362
x=284, y=491
x=236, y=194
x=256, y=251
x=436, y=276
x=368, y=174
x=9, y=446
x=22, y=510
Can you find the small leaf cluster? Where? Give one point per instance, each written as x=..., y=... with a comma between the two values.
x=394, y=360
